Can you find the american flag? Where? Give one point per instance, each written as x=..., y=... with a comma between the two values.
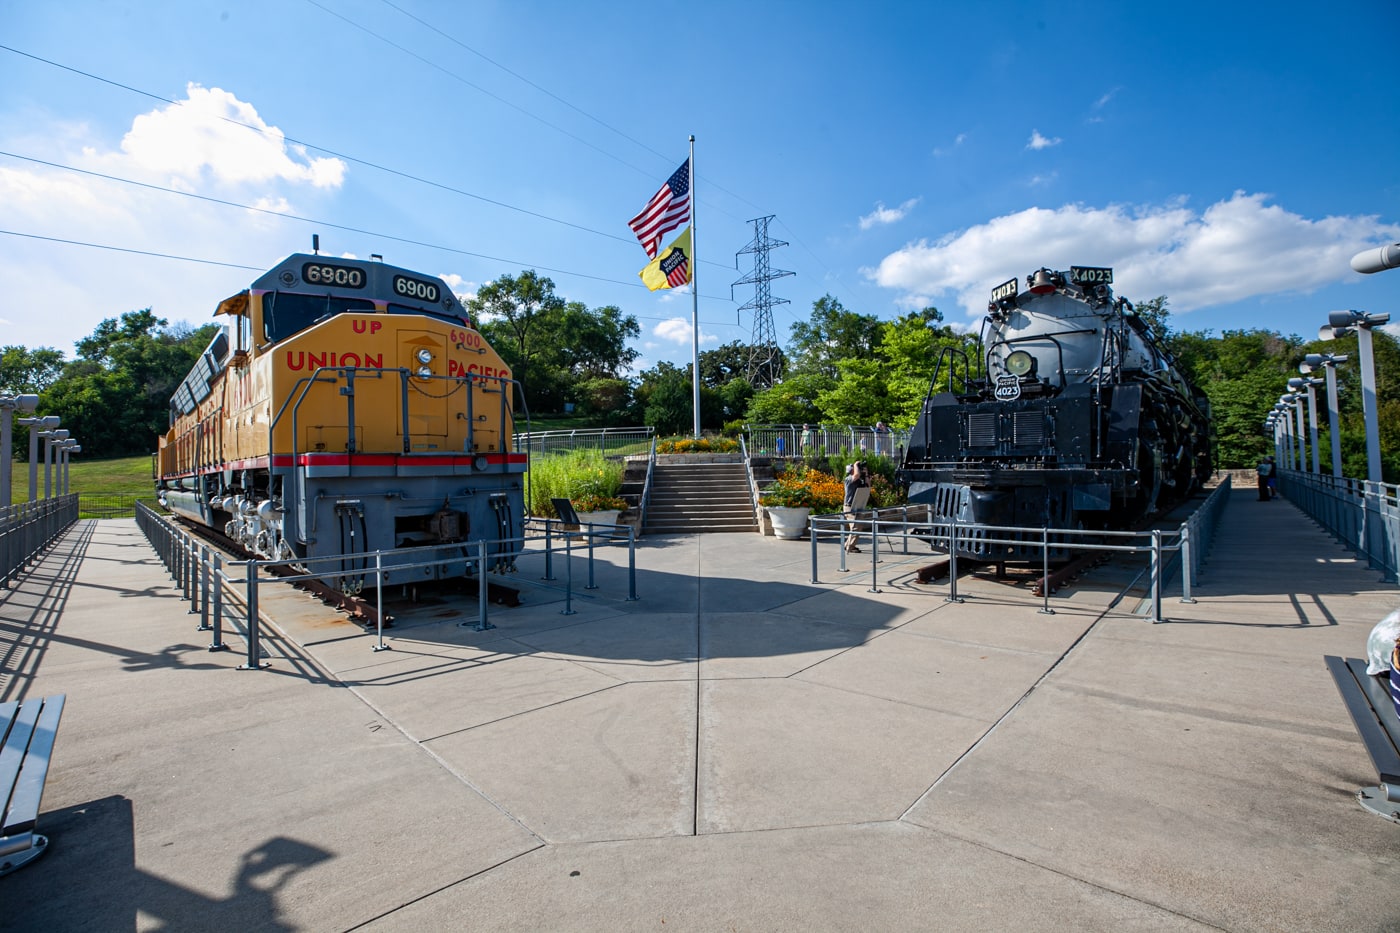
x=667, y=210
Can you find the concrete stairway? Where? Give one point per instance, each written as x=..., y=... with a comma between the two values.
x=693, y=498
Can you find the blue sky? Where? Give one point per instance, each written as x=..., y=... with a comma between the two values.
x=1232, y=157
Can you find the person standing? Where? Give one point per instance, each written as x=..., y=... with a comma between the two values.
x=806, y=440
x=857, y=477
x=1267, y=471
x=882, y=439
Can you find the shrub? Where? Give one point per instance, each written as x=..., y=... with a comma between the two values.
x=800, y=487
x=702, y=445
x=584, y=477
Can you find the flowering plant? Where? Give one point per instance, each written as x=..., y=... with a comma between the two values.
x=701, y=445
x=803, y=488
x=596, y=503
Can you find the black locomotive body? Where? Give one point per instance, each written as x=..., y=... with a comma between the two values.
x=1078, y=421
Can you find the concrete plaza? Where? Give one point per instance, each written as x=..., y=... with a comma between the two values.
x=738, y=749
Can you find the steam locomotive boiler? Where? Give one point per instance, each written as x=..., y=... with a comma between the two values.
x=1076, y=419
x=348, y=407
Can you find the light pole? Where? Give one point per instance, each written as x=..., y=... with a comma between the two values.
x=54, y=436
x=37, y=428
x=1292, y=404
x=1377, y=260
x=1296, y=384
x=1286, y=435
x=1339, y=324
x=68, y=448
x=1329, y=361
x=8, y=406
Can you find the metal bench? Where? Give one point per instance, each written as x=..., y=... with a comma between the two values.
x=29, y=729
x=1368, y=701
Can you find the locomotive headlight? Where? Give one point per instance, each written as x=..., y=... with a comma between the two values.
x=1020, y=363
x=425, y=371
x=425, y=355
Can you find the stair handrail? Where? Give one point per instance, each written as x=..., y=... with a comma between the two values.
x=753, y=483
x=646, y=486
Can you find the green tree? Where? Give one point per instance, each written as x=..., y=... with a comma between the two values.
x=115, y=398
x=552, y=345
x=665, y=396
x=510, y=310
x=831, y=335
x=792, y=401
x=29, y=371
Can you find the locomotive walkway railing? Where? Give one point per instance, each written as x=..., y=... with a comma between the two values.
x=1364, y=516
x=1189, y=542
x=28, y=528
x=227, y=592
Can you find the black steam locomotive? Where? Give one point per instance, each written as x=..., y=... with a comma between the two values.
x=1075, y=418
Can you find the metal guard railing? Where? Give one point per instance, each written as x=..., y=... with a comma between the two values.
x=28, y=528
x=1189, y=542
x=1362, y=515
x=227, y=592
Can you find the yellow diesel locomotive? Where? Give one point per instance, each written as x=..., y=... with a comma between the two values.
x=348, y=407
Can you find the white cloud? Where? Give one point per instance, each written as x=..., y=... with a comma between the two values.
x=945, y=150
x=882, y=215
x=1042, y=142
x=68, y=289
x=1103, y=100
x=464, y=289
x=677, y=330
x=1239, y=248
x=201, y=137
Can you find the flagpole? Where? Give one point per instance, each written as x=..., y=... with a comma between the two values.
x=694, y=301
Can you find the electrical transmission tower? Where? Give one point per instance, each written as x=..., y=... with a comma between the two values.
x=765, y=359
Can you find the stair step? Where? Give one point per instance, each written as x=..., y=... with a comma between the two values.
x=691, y=498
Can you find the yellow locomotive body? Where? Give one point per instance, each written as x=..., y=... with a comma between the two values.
x=348, y=407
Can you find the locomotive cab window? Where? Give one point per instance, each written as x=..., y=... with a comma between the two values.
x=285, y=313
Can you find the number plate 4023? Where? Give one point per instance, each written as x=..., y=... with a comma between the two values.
x=1008, y=388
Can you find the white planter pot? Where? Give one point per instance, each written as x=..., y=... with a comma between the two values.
x=608, y=517
x=788, y=523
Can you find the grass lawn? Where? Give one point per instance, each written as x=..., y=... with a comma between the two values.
x=125, y=476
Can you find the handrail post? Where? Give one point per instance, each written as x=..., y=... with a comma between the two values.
x=204, y=590
x=254, y=661
x=548, y=550
x=1045, y=609
x=631, y=564
x=591, y=585
x=953, y=596
x=874, y=551
x=1188, y=567
x=568, y=609
x=379, y=602
x=218, y=643
x=191, y=565
x=482, y=587
x=1156, y=575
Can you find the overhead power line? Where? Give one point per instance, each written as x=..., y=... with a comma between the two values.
x=319, y=223
x=235, y=265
